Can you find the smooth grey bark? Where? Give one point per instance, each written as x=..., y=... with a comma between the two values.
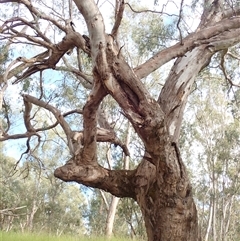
x=111, y=215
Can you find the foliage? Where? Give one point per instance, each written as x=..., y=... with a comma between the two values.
x=47, y=204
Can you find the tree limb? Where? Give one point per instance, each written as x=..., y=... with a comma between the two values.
x=67, y=130
x=222, y=66
x=190, y=42
x=119, y=9
x=27, y=116
x=117, y=182
x=17, y=21
x=90, y=122
x=39, y=14
x=55, y=54
x=28, y=134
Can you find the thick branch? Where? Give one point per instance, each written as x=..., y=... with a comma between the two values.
x=212, y=13
x=25, y=64
x=16, y=136
x=178, y=85
x=90, y=123
x=118, y=182
x=95, y=24
x=103, y=135
x=188, y=43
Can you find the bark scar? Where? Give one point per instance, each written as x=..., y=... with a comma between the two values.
x=176, y=148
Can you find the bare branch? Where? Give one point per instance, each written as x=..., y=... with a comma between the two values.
x=20, y=21
x=233, y=55
x=7, y=118
x=41, y=85
x=16, y=136
x=118, y=17
x=27, y=116
x=224, y=27
x=232, y=12
x=90, y=122
x=78, y=73
x=55, y=54
x=150, y=11
x=77, y=111
x=37, y=41
x=55, y=112
x=28, y=150
x=179, y=20
x=4, y=83
x=28, y=134
x=104, y=199
x=11, y=209
x=41, y=14
x=79, y=60
x=222, y=65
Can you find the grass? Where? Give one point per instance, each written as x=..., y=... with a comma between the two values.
x=11, y=236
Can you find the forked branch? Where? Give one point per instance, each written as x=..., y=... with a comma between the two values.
x=57, y=114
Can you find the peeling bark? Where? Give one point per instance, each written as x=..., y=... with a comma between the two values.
x=177, y=88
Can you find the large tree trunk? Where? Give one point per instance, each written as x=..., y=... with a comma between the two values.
x=167, y=205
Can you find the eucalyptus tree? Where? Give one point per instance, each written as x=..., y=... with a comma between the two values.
x=160, y=183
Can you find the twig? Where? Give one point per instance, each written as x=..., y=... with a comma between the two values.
x=151, y=11
x=179, y=20
x=222, y=65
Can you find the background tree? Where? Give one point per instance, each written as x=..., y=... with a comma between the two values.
x=32, y=199
x=212, y=137
x=160, y=183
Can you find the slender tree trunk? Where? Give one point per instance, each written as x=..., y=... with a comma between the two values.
x=9, y=219
x=30, y=217
x=111, y=216
x=115, y=200
x=210, y=215
x=214, y=207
